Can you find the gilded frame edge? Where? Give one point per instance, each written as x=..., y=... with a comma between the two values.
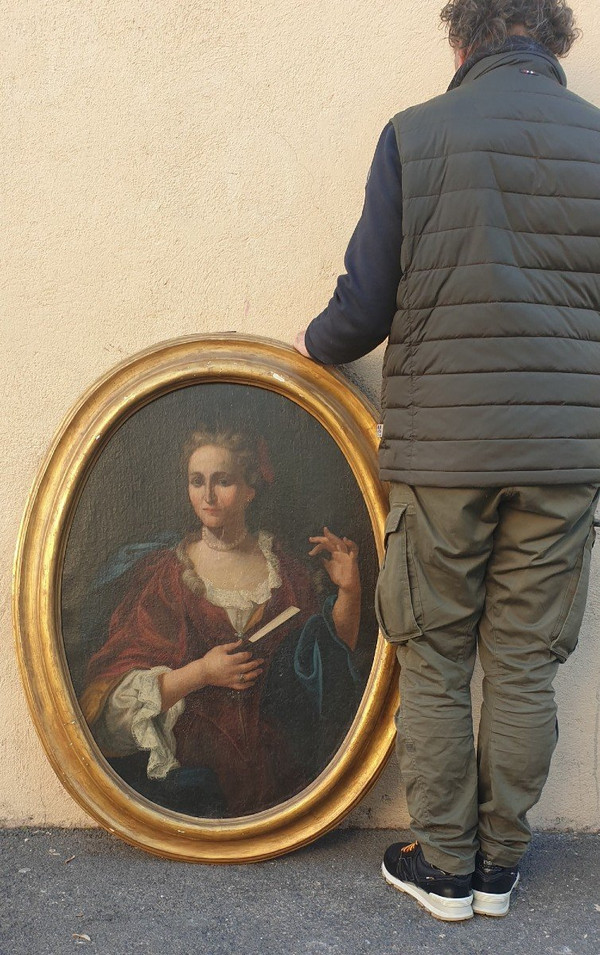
x=350, y=420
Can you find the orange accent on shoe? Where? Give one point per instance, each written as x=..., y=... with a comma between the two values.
x=409, y=848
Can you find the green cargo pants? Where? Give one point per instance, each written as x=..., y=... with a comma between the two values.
x=506, y=569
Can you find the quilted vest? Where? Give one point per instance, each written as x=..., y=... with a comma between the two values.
x=492, y=371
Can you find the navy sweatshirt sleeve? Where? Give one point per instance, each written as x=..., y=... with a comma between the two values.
x=359, y=316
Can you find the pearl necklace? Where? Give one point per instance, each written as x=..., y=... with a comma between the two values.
x=216, y=544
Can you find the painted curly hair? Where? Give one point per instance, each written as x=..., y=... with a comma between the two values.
x=246, y=449
x=487, y=23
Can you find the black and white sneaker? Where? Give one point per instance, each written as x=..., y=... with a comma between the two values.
x=492, y=885
x=445, y=896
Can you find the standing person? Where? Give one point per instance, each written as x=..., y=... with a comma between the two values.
x=477, y=257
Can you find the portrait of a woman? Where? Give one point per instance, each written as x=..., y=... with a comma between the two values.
x=226, y=679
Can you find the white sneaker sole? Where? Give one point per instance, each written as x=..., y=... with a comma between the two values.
x=492, y=903
x=447, y=910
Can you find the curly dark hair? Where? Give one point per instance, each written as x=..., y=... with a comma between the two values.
x=473, y=24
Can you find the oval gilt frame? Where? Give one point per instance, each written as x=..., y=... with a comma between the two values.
x=349, y=419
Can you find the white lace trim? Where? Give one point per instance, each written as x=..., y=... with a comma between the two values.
x=132, y=720
x=239, y=605
x=240, y=598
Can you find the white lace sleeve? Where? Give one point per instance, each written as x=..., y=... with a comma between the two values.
x=132, y=720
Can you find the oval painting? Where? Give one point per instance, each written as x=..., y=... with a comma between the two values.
x=211, y=548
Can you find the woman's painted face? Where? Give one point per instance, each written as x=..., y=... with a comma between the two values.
x=217, y=488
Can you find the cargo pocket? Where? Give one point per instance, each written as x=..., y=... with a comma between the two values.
x=565, y=636
x=397, y=601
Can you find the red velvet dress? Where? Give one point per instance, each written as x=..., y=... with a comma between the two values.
x=165, y=621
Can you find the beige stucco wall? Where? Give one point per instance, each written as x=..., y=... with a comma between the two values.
x=191, y=166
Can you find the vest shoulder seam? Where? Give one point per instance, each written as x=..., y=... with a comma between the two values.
x=499, y=152
x=445, y=469
x=547, y=437
x=506, y=265
x=487, y=338
x=431, y=105
x=431, y=308
x=501, y=228
x=500, y=404
x=502, y=192
x=540, y=122
x=495, y=371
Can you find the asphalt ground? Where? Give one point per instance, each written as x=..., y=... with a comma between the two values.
x=75, y=890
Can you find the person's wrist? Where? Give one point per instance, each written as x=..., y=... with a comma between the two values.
x=300, y=344
x=194, y=676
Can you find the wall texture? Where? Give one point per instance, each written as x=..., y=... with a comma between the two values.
x=190, y=166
